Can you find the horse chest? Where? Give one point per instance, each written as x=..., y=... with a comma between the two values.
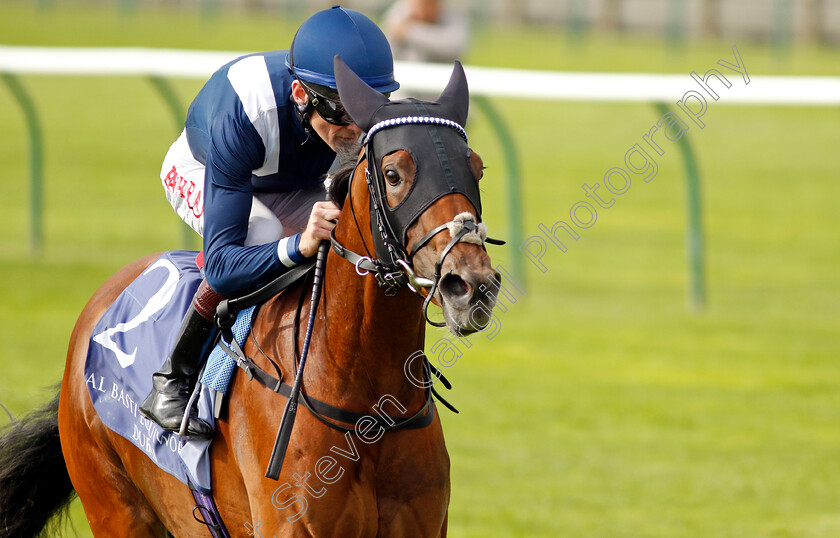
x=398, y=486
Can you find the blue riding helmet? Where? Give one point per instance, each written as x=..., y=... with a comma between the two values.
x=353, y=36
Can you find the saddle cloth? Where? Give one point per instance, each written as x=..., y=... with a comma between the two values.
x=130, y=343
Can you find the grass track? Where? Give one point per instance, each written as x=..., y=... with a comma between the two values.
x=602, y=408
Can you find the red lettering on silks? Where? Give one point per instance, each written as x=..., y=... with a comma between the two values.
x=171, y=178
x=197, y=206
x=185, y=188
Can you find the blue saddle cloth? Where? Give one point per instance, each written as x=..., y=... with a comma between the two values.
x=130, y=343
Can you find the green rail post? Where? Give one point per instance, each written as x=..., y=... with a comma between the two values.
x=694, y=234
x=513, y=184
x=675, y=23
x=36, y=162
x=576, y=20
x=170, y=97
x=780, y=33
x=210, y=9
x=127, y=8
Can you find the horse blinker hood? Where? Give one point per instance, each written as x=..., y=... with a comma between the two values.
x=434, y=133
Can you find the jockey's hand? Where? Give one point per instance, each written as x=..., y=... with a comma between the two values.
x=318, y=228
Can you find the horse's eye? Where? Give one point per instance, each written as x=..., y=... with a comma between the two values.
x=392, y=176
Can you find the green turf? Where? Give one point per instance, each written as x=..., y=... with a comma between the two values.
x=603, y=407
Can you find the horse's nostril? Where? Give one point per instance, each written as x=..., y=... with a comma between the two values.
x=454, y=286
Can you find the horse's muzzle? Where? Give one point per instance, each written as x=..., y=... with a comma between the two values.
x=468, y=296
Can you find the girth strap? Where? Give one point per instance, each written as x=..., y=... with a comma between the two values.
x=205, y=506
x=327, y=413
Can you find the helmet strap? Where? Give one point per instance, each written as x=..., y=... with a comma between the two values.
x=303, y=111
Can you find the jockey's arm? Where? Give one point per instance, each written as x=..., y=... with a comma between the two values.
x=230, y=267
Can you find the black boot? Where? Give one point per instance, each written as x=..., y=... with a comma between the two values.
x=174, y=382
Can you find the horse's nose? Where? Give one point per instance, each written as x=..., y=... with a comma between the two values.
x=471, y=290
x=455, y=289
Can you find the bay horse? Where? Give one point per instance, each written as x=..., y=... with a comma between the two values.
x=415, y=180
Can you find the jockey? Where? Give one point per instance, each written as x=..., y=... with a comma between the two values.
x=246, y=174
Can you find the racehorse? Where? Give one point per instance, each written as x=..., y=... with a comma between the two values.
x=411, y=205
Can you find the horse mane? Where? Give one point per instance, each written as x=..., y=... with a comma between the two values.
x=347, y=159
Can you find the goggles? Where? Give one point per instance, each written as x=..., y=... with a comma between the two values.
x=330, y=109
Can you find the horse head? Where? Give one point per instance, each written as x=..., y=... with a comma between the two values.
x=422, y=200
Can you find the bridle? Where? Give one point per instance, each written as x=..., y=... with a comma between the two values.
x=392, y=264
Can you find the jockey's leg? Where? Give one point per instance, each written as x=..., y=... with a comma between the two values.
x=174, y=382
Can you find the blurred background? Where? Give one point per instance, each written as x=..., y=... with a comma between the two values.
x=610, y=402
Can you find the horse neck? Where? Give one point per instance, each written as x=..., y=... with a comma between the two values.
x=369, y=335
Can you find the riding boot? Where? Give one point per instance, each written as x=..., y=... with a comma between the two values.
x=172, y=385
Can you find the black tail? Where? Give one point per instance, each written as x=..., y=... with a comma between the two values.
x=34, y=484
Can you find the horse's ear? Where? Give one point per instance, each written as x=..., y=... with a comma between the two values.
x=456, y=95
x=359, y=100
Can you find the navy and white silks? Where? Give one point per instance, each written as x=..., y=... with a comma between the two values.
x=243, y=173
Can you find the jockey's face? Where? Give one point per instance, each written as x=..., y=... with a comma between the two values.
x=336, y=136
